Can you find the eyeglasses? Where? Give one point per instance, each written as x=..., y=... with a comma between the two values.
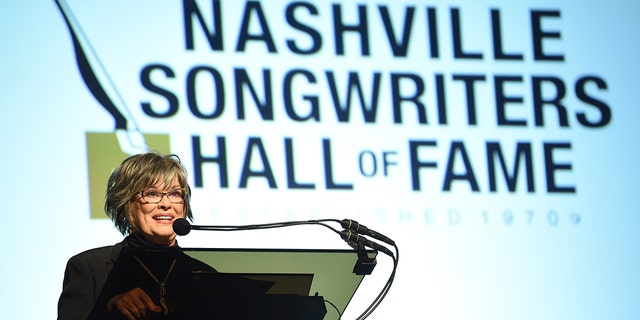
x=155, y=196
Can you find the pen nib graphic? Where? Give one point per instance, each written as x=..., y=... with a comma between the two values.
x=99, y=83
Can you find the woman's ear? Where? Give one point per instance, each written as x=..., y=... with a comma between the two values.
x=188, y=214
x=132, y=225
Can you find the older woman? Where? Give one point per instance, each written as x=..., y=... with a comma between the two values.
x=133, y=279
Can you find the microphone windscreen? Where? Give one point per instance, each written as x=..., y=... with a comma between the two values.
x=181, y=227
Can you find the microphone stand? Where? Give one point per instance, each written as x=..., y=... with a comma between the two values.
x=351, y=234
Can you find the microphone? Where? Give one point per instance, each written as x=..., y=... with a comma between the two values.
x=361, y=229
x=181, y=226
x=351, y=236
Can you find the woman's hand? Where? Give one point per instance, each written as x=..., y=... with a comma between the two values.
x=135, y=304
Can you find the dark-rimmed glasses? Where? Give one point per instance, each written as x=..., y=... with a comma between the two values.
x=155, y=196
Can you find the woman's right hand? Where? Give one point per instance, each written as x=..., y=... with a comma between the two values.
x=135, y=304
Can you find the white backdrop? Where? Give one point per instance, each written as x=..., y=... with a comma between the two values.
x=558, y=244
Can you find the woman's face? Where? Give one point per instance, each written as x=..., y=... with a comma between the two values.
x=155, y=220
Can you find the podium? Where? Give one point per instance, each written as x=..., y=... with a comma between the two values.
x=239, y=284
x=274, y=283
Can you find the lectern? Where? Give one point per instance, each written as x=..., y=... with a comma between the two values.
x=274, y=283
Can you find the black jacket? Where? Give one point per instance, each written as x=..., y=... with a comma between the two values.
x=84, y=277
x=93, y=277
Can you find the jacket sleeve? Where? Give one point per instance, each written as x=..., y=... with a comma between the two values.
x=84, y=277
x=78, y=289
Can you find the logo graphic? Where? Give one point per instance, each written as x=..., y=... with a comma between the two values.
x=105, y=151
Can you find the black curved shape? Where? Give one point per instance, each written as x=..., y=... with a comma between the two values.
x=89, y=77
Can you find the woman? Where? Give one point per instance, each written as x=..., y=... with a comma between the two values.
x=134, y=279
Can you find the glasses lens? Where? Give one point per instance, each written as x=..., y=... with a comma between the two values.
x=151, y=195
x=175, y=196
